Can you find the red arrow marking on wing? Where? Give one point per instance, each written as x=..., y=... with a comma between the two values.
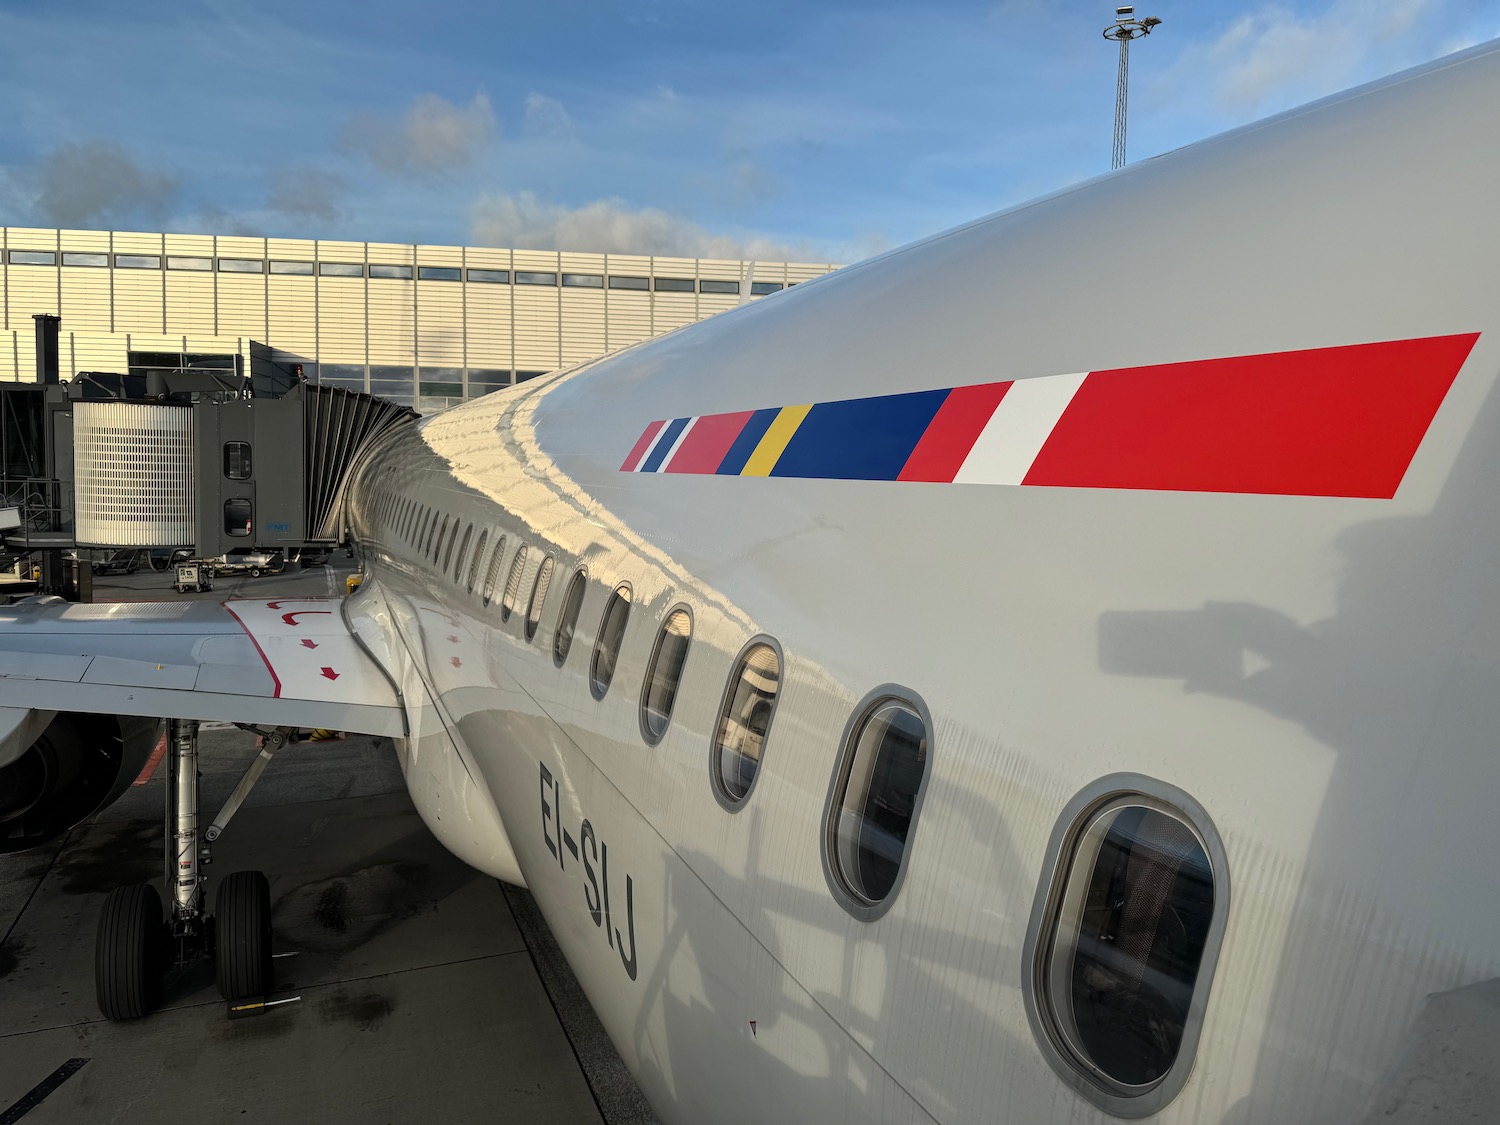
x=453, y=639
x=330, y=674
x=456, y=662
x=274, y=605
x=309, y=644
x=291, y=618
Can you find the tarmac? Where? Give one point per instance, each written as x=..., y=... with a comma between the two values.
x=420, y=989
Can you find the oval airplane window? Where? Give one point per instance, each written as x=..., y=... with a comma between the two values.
x=611, y=636
x=538, y=597
x=567, y=617
x=478, y=558
x=744, y=722
x=437, y=540
x=448, y=550
x=463, y=549
x=492, y=575
x=876, y=795
x=513, y=583
x=1124, y=940
x=664, y=673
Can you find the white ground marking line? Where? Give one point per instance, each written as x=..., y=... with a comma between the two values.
x=328, y=574
x=1018, y=429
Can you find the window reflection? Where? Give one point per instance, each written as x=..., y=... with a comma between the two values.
x=745, y=721
x=878, y=800
x=664, y=674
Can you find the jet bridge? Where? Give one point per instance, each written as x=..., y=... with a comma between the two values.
x=207, y=460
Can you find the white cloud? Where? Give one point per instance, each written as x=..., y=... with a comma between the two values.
x=91, y=184
x=609, y=226
x=546, y=117
x=432, y=137
x=1273, y=57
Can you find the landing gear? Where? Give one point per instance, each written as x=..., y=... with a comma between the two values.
x=131, y=953
x=243, y=930
x=135, y=948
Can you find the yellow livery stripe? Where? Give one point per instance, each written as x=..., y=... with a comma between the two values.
x=763, y=460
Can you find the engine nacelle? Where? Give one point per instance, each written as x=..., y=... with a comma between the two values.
x=56, y=768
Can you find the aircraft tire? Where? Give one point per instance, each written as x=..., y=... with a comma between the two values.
x=242, y=926
x=130, y=953
x=255, y=572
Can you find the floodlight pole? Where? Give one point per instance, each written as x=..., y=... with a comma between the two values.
x=1125, y=28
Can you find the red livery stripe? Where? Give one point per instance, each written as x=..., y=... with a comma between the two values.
x=952, y=433
x=1342, y=421
x=641, y=445
x=706, y=443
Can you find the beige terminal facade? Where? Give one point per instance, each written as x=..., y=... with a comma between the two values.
x=423, y=325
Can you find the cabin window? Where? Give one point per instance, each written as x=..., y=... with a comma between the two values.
x=611, y=636
x=238, y=517
x=421, y=543
x=476, y=560
x=744, y=722
x=664, y=673
x=492, y=575
x=1123, y=942
x=237, y=460
x=567, y=617
x=513, y=583
x=463, y=549
x=435, y=548
x=448, y=551
x=874, y=801
x=538, y=596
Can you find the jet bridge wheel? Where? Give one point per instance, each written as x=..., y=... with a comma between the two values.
x=242, y=928
x=130, y=953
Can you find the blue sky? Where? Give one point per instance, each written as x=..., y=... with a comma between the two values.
x=816, y=130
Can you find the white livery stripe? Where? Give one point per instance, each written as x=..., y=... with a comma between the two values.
x=676, y=445
x=650, y=449
x=1018, y=429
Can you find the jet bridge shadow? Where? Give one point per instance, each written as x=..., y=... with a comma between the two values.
x=1400, y=684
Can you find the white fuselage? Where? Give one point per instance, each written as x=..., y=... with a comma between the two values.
x=1318, y=672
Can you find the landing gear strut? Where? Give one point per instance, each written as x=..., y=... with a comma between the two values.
x=136, y=948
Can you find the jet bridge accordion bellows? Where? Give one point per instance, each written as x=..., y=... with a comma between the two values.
x=340, y=425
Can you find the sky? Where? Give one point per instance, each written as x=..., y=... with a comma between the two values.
x=812, y=131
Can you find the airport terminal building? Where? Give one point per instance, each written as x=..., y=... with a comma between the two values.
x=425, y=326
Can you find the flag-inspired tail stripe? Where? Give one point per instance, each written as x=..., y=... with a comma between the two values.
x=705, y=446
x=1004, y=451
x=860, y=438
x=745, y=444
x=642, y=444
x=781, y=431
x=955, y=428
x=1342, y=421
x=664, y=444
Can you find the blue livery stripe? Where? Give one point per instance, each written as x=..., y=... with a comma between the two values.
x=859, y=439
x=744, y=445
x=664, y=446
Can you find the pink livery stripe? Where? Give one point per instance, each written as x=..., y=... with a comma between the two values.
x=643, y=443
x=702, y=448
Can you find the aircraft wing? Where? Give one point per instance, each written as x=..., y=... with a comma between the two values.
x=275, y=662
